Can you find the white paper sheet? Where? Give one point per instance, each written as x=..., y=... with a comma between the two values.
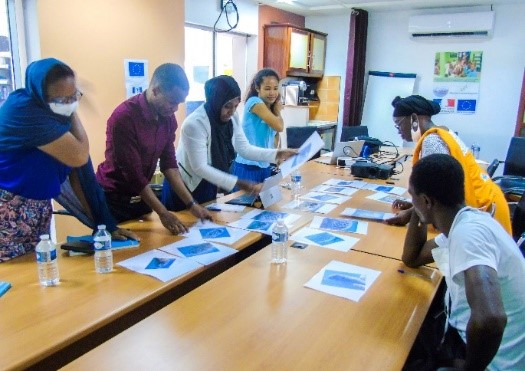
x=160, y=264
x=202, y=252
x=210, y=231
x=385, y=197
x=346, y=183
x=339, y=225
x=325, y=197
x=324, y=239
x=309, y=148
x=310, y=206
x=367, y=214
x=386, y=188
x=334, y=189
x=226, y=207
x=254, y=225
x=271, y=216
x=344, y=280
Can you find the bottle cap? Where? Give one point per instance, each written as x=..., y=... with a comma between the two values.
x=101, y=226
x=44, y=237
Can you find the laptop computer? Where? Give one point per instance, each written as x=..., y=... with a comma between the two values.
x=342, y=149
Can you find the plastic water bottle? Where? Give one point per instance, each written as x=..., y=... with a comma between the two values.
x=103, y=253
x=46, y=257
x=296, y=184
x=279, y=239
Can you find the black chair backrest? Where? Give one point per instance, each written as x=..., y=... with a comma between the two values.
x=514, y=162
x=491, y=169
x=297, y=135
x=350, y=132
x=518, y=218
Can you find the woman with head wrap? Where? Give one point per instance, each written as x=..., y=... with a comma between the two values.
x=43, y=146
x=412, y=118
x=210, y=138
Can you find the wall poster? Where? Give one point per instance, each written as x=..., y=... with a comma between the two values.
x=456, y=81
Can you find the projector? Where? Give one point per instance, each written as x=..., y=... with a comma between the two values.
x=371, y=170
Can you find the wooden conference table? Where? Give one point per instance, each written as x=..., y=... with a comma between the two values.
x=46, y=327
x=260, y=316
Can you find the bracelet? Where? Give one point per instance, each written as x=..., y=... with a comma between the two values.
x=191, y=203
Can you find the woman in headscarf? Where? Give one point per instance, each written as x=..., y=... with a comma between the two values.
x=413, y=119
x=41, y=141
x=210, y=138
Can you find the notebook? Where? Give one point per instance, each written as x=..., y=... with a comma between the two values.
x=342, y=149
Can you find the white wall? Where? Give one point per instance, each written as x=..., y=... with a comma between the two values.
x=389, y=48
x=337, y=28
x=205, y=13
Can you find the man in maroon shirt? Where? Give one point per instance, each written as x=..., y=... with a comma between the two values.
x=141, y=131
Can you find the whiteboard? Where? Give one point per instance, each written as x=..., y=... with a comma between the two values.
x=381, y=90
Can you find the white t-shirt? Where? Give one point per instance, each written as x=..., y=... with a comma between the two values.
x=477, y=239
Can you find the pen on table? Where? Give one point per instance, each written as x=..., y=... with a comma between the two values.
x=387, y=182
x=414, y=274
x=213, y=209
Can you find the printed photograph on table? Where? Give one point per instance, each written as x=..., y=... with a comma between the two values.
x=385, y=197
x=195, y=249
x=334, y=189
x=160, y=263
x=214, y=232
x=325, y=197
x=347, y=280
x=270, y=216
x=327, y=240
x=367, y=214
x=324, y=238
x=344, y=280
x=346, y=183
x=200, y=249
x=313, y=207
x=260, y=226
x=456, y=81
x=339, y=225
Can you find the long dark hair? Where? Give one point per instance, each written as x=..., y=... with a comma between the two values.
x=258, y=80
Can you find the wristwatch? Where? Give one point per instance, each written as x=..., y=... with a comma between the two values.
x=191, y=203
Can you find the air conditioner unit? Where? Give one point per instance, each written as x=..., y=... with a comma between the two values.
x=467, y=25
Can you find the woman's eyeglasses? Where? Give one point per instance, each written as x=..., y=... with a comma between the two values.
x=397, y=124
x=66, y=100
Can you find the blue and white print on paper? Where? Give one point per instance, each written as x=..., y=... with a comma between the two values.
x=347, y=280
x=383, y=188
x=344, y=280
x=214, y=232
x=270, y=216
x=160, y=263
x=302, y=156
x=324, y=238
x=334, y=189
x=324, y=197
x=199, y=249
x=260, y=226
x=339, y=225
x=369, y=214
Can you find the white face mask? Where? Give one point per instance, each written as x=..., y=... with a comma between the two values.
x=64, y=109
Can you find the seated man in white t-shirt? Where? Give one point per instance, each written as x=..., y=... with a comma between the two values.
x=482, y=265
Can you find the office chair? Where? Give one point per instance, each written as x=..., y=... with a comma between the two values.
x=518, y=219
x=350, y=132
x=512, y=182
x=297, y=135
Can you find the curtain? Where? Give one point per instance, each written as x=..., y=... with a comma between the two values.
x=355, y=69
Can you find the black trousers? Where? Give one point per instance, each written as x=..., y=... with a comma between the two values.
x=124, y=207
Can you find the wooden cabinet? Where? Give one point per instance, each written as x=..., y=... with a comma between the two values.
x=294, y=51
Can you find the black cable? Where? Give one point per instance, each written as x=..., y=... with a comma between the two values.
x=227, y=17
